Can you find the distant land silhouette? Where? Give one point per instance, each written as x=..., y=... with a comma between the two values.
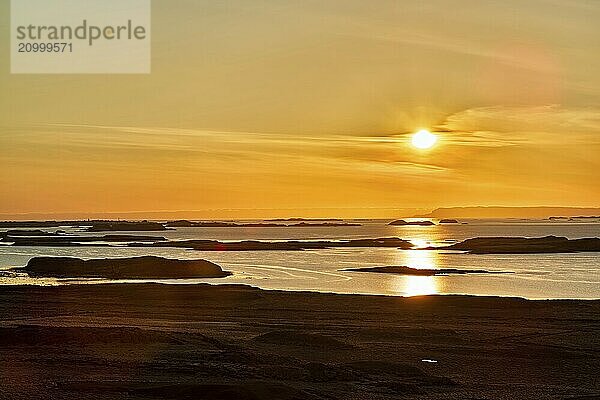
x=509, y=212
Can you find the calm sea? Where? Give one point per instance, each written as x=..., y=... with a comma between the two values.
x=536, y=276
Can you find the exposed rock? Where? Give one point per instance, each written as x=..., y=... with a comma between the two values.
x=401, y=222
x=23, y=232
x=90, y=225
x=33, y=224
x=63, y=240
x=55, y=240
x=305, y=219
x=403, y=270
x=325, y=224
x=217, y=224
x=521, y=245
x=123, y=268
x=102, y=226
x=254, y=245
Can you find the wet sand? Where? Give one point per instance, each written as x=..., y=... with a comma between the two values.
x=150, y=341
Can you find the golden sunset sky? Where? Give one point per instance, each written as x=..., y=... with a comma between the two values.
x=309, y=105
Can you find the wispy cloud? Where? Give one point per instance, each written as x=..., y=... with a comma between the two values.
x=126, y=144
x=509, y=126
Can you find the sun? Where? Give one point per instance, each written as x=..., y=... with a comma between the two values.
x=424, y=139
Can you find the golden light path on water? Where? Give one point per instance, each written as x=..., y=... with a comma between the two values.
x=417, y=259
x=419, y=285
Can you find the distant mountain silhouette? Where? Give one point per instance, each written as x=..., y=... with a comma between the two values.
x=509, y=212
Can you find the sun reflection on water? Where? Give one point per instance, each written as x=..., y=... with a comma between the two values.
x=418, y=259
x=419, y=285
x=420, y=243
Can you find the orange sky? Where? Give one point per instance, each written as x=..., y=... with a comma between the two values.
x=308, y=106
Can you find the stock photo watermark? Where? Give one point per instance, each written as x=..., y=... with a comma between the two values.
x=80, y=36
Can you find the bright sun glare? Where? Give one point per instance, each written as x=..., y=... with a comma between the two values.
x=423, y=139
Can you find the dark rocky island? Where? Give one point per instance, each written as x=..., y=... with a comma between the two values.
x=581, y=217
x=401, y=222
x=35, y=224
x=217, y=224
x=140, y=226
x=448, y=221
x=521, y=245
x=89, y=225
x=147, y=267
x=305, y=220
x=403, y=270
x=103, y=226
x=254, y=245
x=61, y=240
x=58, y=239
x=324, y=224
x=23, y=233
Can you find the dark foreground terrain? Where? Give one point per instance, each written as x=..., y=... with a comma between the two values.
x=150, y=341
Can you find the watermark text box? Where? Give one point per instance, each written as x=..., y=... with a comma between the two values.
x=80, y=36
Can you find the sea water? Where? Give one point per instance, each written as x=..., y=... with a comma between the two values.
x=535, y=276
